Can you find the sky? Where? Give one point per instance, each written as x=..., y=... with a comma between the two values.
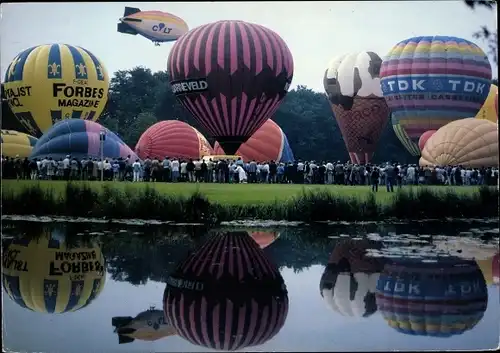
x=314, y=31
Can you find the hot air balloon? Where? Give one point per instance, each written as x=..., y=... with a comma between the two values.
x=17, y=144
x=264, y=239
x=489, y=109
x=226, y=295
x=157, y=26
x=350, y=278
x=352, y=84
x=45, y=275
x=80, y=139
x=51, y=82
x=424, y=138
x=405, y=140
x=268, y=143
x=430, y=81
x=231, y=76
x=468, y=142
x=150, y=325
x=442, y=298
x=172, y=138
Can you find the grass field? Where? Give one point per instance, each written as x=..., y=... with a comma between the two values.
x=232, y=194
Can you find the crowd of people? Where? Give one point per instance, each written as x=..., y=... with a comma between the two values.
x=237, y=171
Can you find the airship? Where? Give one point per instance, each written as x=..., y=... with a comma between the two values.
x=157, y=26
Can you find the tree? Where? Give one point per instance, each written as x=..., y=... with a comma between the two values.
x=485, y=34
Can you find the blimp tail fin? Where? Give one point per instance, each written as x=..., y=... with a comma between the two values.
x=125, y=28
x=130, y=10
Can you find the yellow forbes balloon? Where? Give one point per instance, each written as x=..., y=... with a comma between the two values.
x=17, y=144
x=488, y=111
x=51, y=82
x=45, y=275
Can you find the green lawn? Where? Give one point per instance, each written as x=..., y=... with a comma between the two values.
x=230, y=193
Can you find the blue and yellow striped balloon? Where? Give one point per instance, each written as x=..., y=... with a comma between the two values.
x=17, y=144
x=51, y=82
x=46, y=276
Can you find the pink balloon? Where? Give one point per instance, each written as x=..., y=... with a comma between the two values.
x=423, y=139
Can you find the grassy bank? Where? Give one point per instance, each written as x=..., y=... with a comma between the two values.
x=191, y=204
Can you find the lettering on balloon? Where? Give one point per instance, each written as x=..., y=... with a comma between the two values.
x=77, y=96
x=161, y=28
x=363, y=113
x=402, y=85
x=13, y=95
x=76, y=267
x=10, y=260
x=187, y=284
x=189, y=86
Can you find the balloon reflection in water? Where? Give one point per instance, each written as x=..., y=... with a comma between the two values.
x=45, y=275
x=264, y=239
x=226, y=295
x=350, y=279
x=441, y=299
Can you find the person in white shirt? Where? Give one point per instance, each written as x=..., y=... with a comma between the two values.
x=136, y=170
x=410, y=175
x=242, y=175
x=184, y=171
x=329, y=173
x=174, y=166
x=264, y=172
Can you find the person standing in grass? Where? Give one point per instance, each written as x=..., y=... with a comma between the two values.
x=389, y=172
x=136, y=170
x=374, y=178
x=175, y=165
x=166, y=173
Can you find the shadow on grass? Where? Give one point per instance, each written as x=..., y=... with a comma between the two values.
x=309, y=206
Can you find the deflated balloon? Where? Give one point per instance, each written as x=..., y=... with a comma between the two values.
x=403, y=137
x=269, y=143
x=443, y=298
x=424, y=138
x=51, y=82
x=489, y=109
x=352, y=83
x=350, y=279
x=430, y=81
x=47, y=276
x=17, y=144
x=80, y=139
x=231, y=76
x=467, y=142
x=226, y=295
x=172, y=138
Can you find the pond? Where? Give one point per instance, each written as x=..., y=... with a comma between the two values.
x=102, y=288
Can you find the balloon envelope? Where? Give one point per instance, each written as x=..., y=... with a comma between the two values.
x=52, y=278
x=424, y=138
x=429, y=81
x=17, y=144
x=172, y=138
x=80, y=139
x=226, y=295
x=403, y=137
x=51, y=82
x=352, y=83
x=467, y=142
x=489, y=109
x=269, y=143
x=231, y=76
x=442, y=298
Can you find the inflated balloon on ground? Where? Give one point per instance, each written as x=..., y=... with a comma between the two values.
x=226, y=295
x=424, y=138
x=269, y=143
x=172, y=138
x=80, y=139
x=17, y=144
x=231, y=76
x=352, y=83
x=51, y=82
x=429, y=81
x=45, y=275
x=467, y=142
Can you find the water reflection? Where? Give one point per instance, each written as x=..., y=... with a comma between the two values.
x=442, y=298
x=44, y=273
x=226, y=273
x=226, y=295
x=350, y=278
x=149, y=325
